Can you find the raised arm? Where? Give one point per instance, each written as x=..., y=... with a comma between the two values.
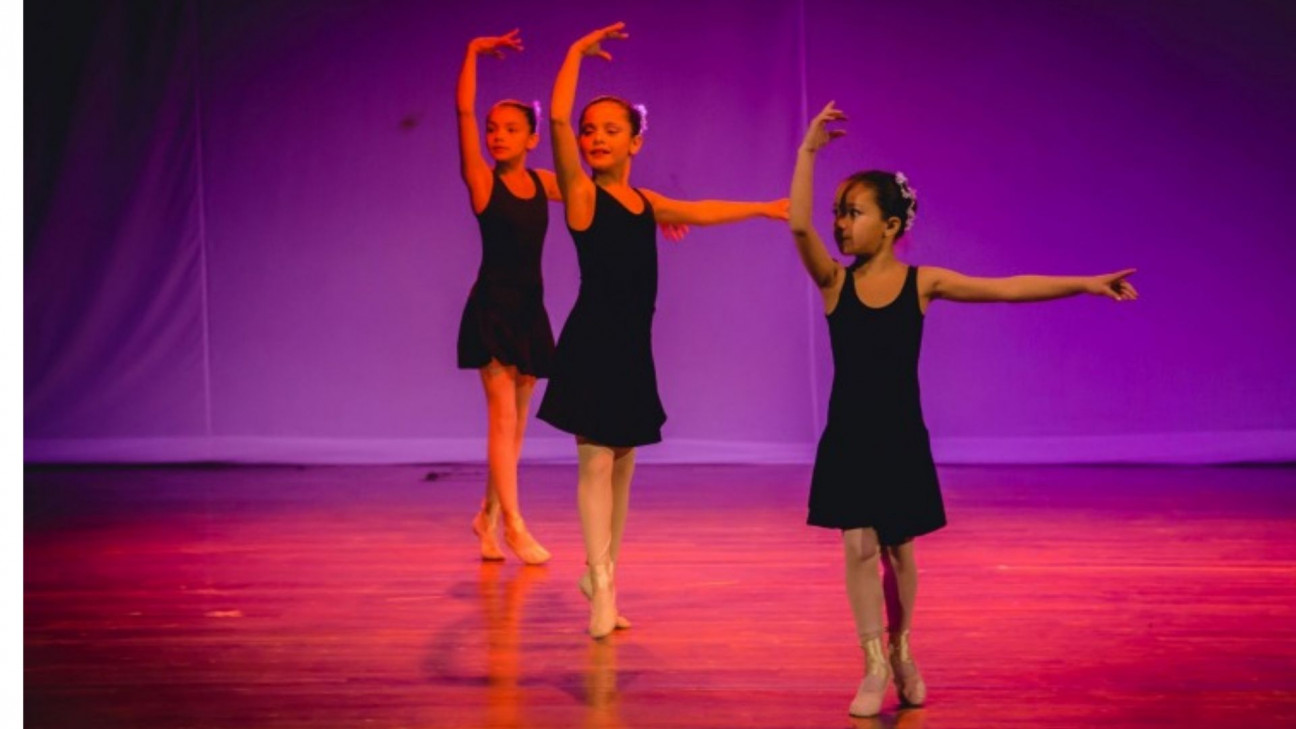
x=712, y=212
x=814, y=254
x=942, y=283
x=472, y=166
x=576, y=188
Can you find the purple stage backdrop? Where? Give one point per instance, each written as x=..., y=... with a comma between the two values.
x=247, y=238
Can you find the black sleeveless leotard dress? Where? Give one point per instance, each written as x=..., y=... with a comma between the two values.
x=604, y=383
x=874, y=464
x=505, y=316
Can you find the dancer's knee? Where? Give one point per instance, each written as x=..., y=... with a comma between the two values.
x=861, y=545
x=899, y=558
x=501, y=405
x=595, y=463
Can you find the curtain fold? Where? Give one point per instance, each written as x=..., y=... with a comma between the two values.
x=112, y=285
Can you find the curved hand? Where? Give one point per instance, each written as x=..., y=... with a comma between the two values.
x=1113, y=285
x=496, y=45
x=590, y=44
x=472, y=166
x=818, y=135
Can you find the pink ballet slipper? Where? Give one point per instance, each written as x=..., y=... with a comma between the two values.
x=522, y=543
x=586, y=585
x=877, y=674
x=908, y=681
x=483, y=525
x=603, y=612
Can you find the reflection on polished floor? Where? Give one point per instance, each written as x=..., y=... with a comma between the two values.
x=353, y=597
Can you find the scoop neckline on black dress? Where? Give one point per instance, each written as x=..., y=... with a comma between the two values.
x=623, y=205
x=534, y=178
x=850, y=271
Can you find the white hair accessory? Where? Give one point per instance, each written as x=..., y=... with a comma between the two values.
x=643, y=117
x=910, y=194
x=535, y=106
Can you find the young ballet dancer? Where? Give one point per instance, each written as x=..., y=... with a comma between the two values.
x=603, y=388
x=504, y=332
x=873, y=475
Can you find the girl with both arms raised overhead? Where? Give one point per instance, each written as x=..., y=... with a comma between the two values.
x=873, y=474
x=603, y=388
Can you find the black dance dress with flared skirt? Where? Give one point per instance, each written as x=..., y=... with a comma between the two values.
x=505, y=317
x=604, y=383
x=873, y=467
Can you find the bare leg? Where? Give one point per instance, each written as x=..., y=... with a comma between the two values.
x=863, y=586
x=500, y=383
x=486, y=521
x=901, y=587
x=490, y=500
x=864, y=589
x=594, y=499
x=524, y=386
x=490, y=511
x=900, y=584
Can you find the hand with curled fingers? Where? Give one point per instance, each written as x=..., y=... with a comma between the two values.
x=818, y=135
x=1114, y=285
x=591, y=44
x=496, y=45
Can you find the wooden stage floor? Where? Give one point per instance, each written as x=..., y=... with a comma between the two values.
x=353, y=597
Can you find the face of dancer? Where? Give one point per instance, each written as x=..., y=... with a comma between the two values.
x=508, y=136
x=858, y=225
x=606, y=140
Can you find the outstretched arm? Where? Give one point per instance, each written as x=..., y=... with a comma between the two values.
x=712, y=212
x=472, y=166
x=942, y=283
x=576, y=188
x=814, y=254
x=550, y=181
